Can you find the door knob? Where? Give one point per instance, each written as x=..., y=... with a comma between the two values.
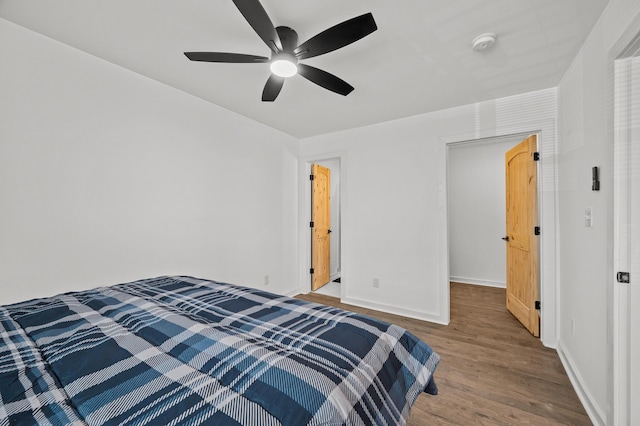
x=328, y=231
x=506, y=238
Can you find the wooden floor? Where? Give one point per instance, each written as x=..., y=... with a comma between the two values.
x=491, y=371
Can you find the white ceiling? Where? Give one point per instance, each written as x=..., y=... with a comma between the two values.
x=419, y=60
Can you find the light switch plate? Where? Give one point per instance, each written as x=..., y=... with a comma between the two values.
x=588, y=218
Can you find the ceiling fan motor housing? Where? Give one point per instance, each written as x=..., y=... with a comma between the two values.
x=288, y=38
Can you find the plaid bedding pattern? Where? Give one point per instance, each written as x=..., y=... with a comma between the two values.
x=186, y=351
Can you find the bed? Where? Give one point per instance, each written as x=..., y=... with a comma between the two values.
x=182, y=350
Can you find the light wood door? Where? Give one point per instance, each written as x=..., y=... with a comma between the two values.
x=321, y=226
x=522, y=243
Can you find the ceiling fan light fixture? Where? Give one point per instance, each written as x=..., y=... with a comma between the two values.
x=284, y=65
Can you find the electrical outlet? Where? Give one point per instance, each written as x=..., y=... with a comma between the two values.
x=266, y=280
x=376, y=283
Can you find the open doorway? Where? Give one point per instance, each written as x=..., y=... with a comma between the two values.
x=477, y=219
x=336, y=163
x=476, y=210
x=330, y=284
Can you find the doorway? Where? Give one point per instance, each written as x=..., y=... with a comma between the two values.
x=476, y=210
x=325, y=195
x=336, y=163
x=476, y=196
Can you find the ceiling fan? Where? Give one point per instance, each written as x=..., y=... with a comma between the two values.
x=285, y=51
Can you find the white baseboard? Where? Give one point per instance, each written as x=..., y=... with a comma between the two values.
x=290, y=293
x=478, y=281
x=394, y=310
x=593, y=411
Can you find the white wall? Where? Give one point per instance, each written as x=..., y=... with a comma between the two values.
x=585, y=254
x=107, y=176
x=477, y=211
x=394, y=201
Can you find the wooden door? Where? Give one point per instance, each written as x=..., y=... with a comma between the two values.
x=522, y=243
x=321, y=226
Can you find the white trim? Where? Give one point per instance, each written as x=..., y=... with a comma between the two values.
x=444, y=270
x=291, y=293
x=478, y=281
x=594, y=412
x=391, y=309
x=627, y=46
x=621, y=230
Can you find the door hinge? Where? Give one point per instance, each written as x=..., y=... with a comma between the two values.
x=311, y=271
x=311, y=224
x=537, y=305
x=624, y=277
x=312, y=177
x=536, y=230
x=536, y=156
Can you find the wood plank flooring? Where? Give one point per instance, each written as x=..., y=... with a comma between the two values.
x=492, y=371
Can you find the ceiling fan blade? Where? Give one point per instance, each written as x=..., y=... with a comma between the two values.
x=257, y=17
x=235, y=58
x=272, y=88
x=337, y=36
x=324, y=79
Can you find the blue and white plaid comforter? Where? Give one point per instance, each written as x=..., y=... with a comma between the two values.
x=180, y=350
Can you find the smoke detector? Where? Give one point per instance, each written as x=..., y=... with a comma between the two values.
x=483, y=42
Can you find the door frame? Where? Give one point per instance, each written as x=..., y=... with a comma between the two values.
x=304, y=209
x=627, y=47
x=547, y=202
